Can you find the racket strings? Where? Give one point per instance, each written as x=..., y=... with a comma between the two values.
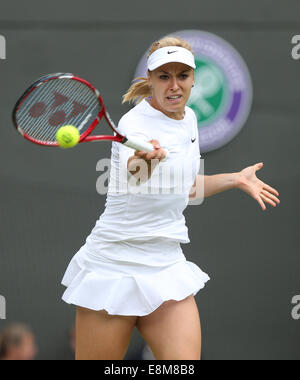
x=40, y=96
x=55, y=103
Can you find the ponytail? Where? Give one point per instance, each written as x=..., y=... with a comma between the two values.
x=140, y=89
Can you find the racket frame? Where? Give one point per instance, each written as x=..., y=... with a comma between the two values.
x=84, y=137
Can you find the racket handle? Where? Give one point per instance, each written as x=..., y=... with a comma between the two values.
x=138, y=144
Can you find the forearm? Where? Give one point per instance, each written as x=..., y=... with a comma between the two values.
x=214, y=184
x=141, y=169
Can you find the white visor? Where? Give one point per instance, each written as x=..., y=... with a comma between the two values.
x=170, y=54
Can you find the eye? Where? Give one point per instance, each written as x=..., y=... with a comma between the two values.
x=163, y=77
x=184, y=76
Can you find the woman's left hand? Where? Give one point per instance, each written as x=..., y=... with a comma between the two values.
x=260, y=191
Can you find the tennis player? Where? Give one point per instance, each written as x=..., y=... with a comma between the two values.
x=131, y=270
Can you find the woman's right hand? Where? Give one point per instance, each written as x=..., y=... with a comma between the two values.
x=157, y=153
x=136, y=169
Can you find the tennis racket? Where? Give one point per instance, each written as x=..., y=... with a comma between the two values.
x=59, y=99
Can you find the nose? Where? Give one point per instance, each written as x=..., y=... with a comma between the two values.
x=174, y=85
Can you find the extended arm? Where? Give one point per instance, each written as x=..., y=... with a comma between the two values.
x=245, y=180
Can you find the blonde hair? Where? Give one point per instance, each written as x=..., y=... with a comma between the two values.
x=140, y=89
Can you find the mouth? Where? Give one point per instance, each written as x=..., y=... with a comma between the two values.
x=174, y=99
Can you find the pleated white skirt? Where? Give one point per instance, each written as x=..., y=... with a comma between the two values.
x=130, y=278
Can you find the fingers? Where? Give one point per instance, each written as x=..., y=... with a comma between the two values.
x=157, y=153
x=265, y=186
x=155, y=143
x=261, y=203
x=269, y=188
x=268, y=195
x=268, y=200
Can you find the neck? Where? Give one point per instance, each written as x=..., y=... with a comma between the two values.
x=179, y=115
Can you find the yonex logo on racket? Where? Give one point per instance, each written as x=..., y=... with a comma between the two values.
x=2, y=47
x=58, y=117
x=2, y=307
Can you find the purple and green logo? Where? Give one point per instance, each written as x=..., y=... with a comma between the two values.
x=222, y=96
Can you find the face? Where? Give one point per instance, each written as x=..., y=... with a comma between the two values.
x=171, y=86
x=28, y=349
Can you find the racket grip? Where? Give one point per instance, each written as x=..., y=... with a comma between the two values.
x=138, y=144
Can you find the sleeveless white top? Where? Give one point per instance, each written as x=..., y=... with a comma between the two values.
x=154, y=208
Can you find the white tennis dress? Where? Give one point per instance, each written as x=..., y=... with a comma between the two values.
x=132, y=261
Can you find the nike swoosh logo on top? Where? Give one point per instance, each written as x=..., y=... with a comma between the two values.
x=193, y=140
x=171, y=52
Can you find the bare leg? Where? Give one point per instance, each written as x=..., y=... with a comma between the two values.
x=173, y=331
x=101, y=336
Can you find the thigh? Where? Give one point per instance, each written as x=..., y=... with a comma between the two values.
x=173, y=331
x=101, y=336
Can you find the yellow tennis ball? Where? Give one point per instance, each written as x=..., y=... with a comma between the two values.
x=67, y=136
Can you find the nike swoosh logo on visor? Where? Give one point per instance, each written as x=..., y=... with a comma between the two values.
x=171, y=52
x=193, y=140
